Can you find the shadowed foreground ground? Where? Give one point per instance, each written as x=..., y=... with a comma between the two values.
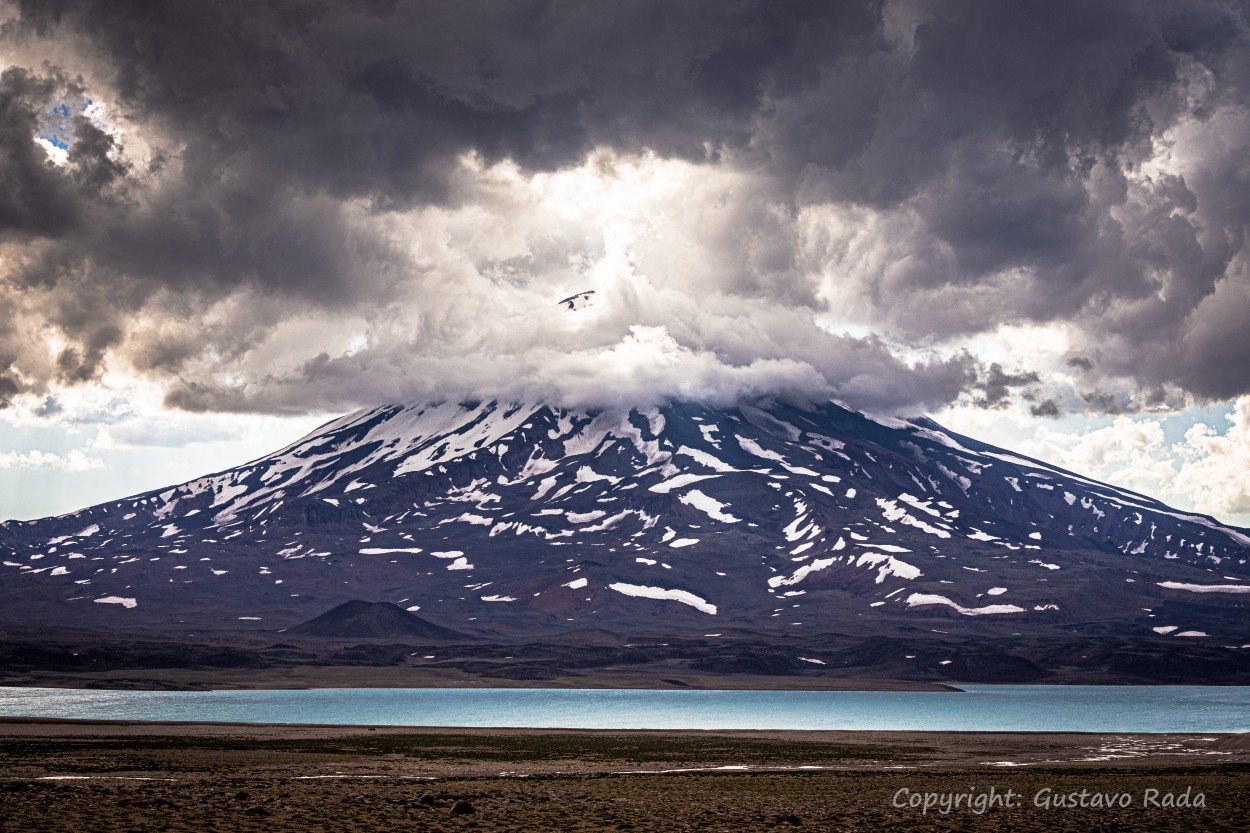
x=79, y=776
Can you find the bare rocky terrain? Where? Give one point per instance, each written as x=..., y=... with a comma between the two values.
x=34, y=657
x=71, y=776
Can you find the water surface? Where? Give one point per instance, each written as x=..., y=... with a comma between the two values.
x=1019, y=708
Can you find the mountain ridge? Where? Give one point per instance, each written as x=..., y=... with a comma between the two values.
x=504, y=519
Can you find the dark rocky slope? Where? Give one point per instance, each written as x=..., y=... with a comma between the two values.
x=525, y=522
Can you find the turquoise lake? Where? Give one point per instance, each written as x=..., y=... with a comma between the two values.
x=977, y=708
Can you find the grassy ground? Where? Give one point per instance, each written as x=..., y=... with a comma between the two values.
x=80, y=777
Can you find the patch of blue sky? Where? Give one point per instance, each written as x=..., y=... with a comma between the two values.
x=58, y=124
x=54, y=439
x=1175, y=425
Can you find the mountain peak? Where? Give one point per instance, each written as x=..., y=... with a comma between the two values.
x=357, y=619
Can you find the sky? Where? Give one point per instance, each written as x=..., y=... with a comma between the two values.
x=224, y=222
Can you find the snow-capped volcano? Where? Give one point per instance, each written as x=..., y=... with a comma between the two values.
x=526, y=519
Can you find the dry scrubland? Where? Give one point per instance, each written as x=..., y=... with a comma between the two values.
x=67, y=776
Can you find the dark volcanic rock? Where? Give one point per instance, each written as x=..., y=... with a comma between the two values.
x=981, y=666
x=141, y=684
x=18, y=656
x=373, y=620
x=748, y=662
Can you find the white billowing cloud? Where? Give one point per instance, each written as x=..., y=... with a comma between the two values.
x=1214, y=466
x=1128, y=452
x=1203, y=471
x=648, y=364
x=695, y=297
x=57, y=155
x=73, y=461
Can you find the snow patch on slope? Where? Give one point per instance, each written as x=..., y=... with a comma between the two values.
x=710, y=506
x=665, y=594
x=919, y=599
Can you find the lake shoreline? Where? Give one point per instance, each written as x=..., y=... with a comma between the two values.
x=393, y=678
x=917, y=748
x=12, y=726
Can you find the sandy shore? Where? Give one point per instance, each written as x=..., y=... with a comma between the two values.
x=112, y=775
x=897, y=747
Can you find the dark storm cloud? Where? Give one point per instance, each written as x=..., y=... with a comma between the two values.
x=997, y=386
x=372, y=99
x=261, y=147
x=1081, y=363
x=33, y=199
x=1045, y=408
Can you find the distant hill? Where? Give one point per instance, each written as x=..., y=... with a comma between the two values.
x=373, y=620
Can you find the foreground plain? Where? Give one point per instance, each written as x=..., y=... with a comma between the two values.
x=81, y=775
